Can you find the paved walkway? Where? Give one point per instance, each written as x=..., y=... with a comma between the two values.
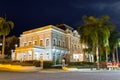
x=38, y=69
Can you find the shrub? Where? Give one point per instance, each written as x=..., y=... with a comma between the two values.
x=37, y=63
x=47, y=64
x=5, y=61
x=23, y=63
x=27, y=63
x=82, y=64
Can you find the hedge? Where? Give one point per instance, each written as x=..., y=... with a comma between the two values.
x=46, y=64
x=80, y=63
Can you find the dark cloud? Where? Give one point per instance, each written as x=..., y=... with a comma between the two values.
x=29, y=14
x=99, y=8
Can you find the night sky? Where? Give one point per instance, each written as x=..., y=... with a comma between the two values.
x=30, y=14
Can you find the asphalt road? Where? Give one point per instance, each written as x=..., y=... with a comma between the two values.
x=113, y=75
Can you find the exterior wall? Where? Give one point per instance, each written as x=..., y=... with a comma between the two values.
x=29, y=39
x=58, y=45
x=73, y=44
x=77, y=57
x=23, y=53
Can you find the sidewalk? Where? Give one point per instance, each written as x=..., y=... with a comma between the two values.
x=18, y=68
x=52, y=70
x=38, y=69
x=92, y=70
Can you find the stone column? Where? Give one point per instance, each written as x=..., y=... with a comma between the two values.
x=32, y=55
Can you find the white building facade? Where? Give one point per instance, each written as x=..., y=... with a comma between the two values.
x=49, y=43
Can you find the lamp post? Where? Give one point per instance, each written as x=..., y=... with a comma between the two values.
x=63, y=63
x=16, y=45
x=41, y=63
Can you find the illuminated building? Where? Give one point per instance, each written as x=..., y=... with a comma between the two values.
x=49, y=43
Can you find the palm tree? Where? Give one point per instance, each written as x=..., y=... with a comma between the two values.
x=113, y=41
x=84, y=39
x=5, y=27
x=97, y=30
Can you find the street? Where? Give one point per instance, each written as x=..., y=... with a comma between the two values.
x=112, y=75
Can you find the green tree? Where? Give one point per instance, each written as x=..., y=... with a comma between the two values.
x=84, y=39
x=96, y=31
x=10, y=44
x=113, y=41
x=5, y=27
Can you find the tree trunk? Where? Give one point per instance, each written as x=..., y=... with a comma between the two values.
x=93, y=52
x=106, y=57
x=113, y=55
x=84, y=58
x=117, y=56
x=3, y=46
x=97, y=55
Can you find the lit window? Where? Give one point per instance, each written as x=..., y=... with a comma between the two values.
x=59, y=43
x=48, y=57
x=30, y=43
x=35, y=42
x=75, y=47
x=25, y=44
x=35, y=56
x=41, y=57
x=41, y=42
x=41, y=54
x=30, y=57
x=63, y=44
x=47, y=42
x=54, y=42
x=24, y=57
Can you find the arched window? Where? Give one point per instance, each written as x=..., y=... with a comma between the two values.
x=47, y=42
x=41, y=56
x=30, y=43
x=59, y=44
x=63, y=44
x=54, y=42
x=35, y=42
x=75, y=47
x=25, y=44
x=41, y=42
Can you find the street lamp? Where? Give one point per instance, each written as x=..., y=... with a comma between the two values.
x=41, y=63
x=63, y=63
x=16, y=45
